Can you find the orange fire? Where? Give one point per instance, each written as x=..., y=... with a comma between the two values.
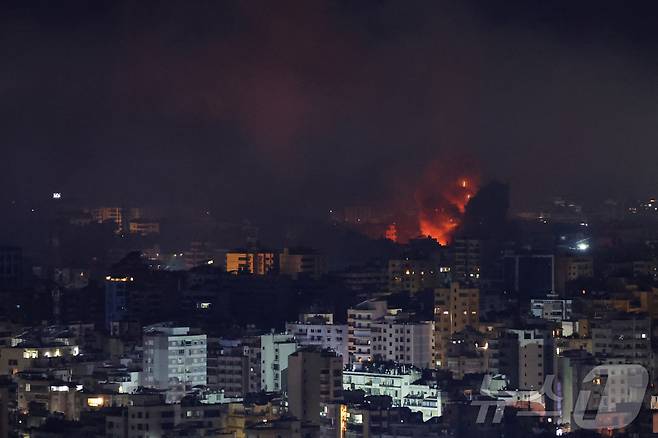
x=439, y=230
x=391, y=232
x=440, y=212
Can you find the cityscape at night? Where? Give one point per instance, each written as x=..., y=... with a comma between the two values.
x=328, y=219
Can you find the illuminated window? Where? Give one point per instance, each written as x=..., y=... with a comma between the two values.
x=30, y=354
x=95, y=402
x=62, y=388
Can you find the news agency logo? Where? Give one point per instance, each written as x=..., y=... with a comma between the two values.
x=608, y=397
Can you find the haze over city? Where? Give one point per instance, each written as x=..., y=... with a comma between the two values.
x=324, y=103
x=328, y=219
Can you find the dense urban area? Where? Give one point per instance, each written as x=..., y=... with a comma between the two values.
x=115, y=323
x=328, y=219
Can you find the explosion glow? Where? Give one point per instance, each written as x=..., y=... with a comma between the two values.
x=440, y=211
x=391, y=232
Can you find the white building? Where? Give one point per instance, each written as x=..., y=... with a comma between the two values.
x=274, y=352
x=319, y=331
x=174, y=359
x=359, y=326
x=551, y=309
x=401, y=384
x=399, y=339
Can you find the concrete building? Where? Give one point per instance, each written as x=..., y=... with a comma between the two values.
x=455, y=308
x=113, y=215
x=573, y=366
x=27, y=355
x=200, y=253
x=400, y=338
x=623, y=337
x=531, y=275
x=117, y=297
x=369, y=278
x=154, y=418
x=467, y=259
x=228, y=366
x=551, y=309
x=284, y=427
x=252, y=261
x=535, y=360
x=50, y=392
x=359, y=328
x=569, y=268
x=412, y=275
x=468, y=353
x=238, y=417
x=319, y=331
x=314, y=376
x=143, y=227
x=375, y=417
x=174, y=359
x=401, y=383
x=274, y=352
x=296, y=262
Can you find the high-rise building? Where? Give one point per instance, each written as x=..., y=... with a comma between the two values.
x=296, y=262
x=623, y=338
x=400, y=338
x=412, y=275
x=359, y=328
x=228, y=366
x=314, y=376
x=117, y=290
x=569, y=268
x=369, y=278
x=252, y=261
x=536, y=358
x=531, y=275
x=572, y=368
x=455, y=308
x=319, y=331
x=274, y=352
x=174, y=359
x=467, y=259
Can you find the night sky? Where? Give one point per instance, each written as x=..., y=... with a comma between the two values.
x=252, y=107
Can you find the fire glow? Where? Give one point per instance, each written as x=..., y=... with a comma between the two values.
x=441, y=207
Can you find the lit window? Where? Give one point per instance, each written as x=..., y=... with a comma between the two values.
x=95, y=402
x=30, y=354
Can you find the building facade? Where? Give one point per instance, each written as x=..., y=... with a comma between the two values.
x=174, y=359
x=455, y=308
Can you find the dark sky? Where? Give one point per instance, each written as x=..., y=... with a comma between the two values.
x=256, y=106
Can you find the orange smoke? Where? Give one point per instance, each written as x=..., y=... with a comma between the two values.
x=442, y=204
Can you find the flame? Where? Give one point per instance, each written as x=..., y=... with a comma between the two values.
x=441, y=229
x=440, y=211
x=392, y=232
